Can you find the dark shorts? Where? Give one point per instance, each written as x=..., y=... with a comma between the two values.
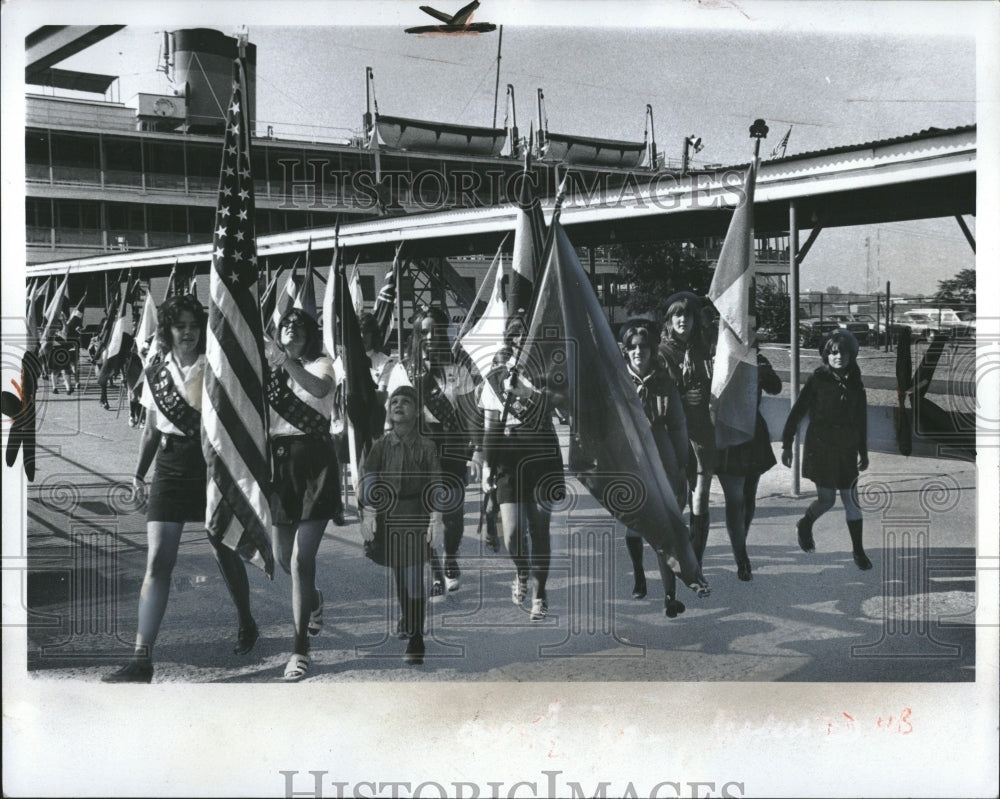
x=306, y=479
x=180, y=484
x=529, y=469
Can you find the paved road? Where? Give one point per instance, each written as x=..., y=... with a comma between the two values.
x=803, y=617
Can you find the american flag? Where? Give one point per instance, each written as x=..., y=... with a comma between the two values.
x=234, y=409
x=782, y=145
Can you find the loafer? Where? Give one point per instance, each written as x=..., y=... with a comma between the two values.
x=246, y=638
x=133, y=671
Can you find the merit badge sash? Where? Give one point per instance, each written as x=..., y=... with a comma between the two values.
x=292, y=409
x=169, y=401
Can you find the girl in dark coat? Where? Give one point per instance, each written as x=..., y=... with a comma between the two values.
x=688, y=360
x=836, y=445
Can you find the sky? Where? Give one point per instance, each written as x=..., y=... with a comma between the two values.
x=862, y=72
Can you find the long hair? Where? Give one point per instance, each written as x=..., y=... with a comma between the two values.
x=314, y=343
x=440, y=320
x=169, y=314
x=843, y=340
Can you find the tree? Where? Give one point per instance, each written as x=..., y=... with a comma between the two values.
x=773, y=312
x=654, y=270
x=960, y=288
x=833, y=290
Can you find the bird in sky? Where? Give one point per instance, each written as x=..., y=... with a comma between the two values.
x=459, y=22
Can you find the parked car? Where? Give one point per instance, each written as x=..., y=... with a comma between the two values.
x=922, y=326
x=968, y=327
x=857, y=326
x=812, y=330
x=945, y=320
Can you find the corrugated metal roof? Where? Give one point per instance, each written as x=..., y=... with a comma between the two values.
x=927, y=133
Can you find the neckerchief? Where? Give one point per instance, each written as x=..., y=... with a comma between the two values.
x=291, y=408
x=169, y=401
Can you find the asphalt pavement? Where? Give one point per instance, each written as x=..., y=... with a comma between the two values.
x=804, y=617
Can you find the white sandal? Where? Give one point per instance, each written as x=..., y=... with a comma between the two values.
x=297, y=668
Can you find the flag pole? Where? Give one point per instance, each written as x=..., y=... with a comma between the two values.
x=397, y=266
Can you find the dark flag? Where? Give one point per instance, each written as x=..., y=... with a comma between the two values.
x=171, y=283
x=234, y=409
x=364, y=411
x=612, y=450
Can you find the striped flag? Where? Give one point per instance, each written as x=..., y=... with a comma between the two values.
x=482, y=338
x=121, y=327
x=385, y=303
x=285, y=300
x=529, y=242
x=234, y=408
x=781, y=145
x=734, y=378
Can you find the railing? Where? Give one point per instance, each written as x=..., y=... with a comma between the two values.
x=89, y=238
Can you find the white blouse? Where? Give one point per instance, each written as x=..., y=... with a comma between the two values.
x=321, y=367
x=188, y=380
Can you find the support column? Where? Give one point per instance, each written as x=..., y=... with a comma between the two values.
x=793, y=334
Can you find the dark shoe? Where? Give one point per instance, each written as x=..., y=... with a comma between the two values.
x=133, y=671
x=246, y=638
x=55, y=389
x=69, y=390
x=437, y=590
x=856, y=529
x=743, y=570
x=338, y=518
x=634, y=547
x=673, y=607
x=104, y=404
x=805, y=527
x=414, y=654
